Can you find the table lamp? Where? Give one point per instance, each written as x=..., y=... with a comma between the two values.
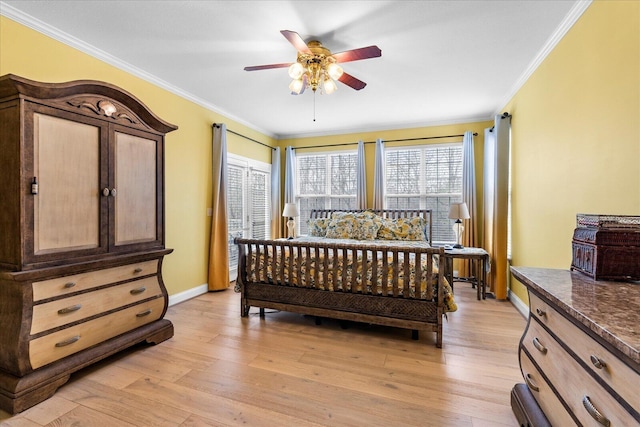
x=291, y=211
x=458, y=211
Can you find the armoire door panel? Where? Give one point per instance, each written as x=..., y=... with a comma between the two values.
x=67, y=169
x=136, y=203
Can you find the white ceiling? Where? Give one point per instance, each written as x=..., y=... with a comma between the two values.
x=442, y=61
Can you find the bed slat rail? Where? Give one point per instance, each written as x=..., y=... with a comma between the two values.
x=316, y=265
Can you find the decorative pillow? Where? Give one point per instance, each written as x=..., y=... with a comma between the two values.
x=368, y=224
x=342, y=226
x=350, y=225
x=318, y=226
x=402, y=229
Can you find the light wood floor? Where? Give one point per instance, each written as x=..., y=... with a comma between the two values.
x=220, y=369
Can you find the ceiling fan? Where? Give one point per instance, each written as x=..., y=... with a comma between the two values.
x=317, y=67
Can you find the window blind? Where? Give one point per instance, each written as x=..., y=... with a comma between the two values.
x=425, y=177
x=248, y=203
x=325, y=181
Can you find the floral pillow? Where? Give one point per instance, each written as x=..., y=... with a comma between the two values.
x=342, y=226
x=318, y=226
x=402, y=229
x=348, y=225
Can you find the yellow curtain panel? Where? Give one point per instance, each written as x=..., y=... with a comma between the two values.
x=219, y=243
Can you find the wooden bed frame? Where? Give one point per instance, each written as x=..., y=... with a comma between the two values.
x=395, y=308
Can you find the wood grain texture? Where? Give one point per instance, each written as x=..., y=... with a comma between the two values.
x=60, y=286
x=72, y=309
x=53, y=346
x=223, y=369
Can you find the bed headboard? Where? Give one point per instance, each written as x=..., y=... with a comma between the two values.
x=385, y=213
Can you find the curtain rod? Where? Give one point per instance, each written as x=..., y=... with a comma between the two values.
x=245, y=137
x=389, y=140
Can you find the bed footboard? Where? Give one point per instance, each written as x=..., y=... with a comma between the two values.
x=385, y=285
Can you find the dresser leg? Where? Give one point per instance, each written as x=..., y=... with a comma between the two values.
x=13, y=401
x=164, y=333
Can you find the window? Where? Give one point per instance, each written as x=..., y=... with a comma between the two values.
x=425, y=177
x=248, y=203
x=325, y=181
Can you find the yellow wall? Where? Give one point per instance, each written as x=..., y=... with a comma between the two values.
x=30, y=54
x=576, y=135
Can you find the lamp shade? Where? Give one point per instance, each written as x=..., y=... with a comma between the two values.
x=459, y=211
x=290, y=210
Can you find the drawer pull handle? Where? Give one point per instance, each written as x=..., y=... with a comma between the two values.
x=137, y=270
x=593, y=411
x=137, y=291
x=541, y=312
x=597, y=362
x=68, y=341
x=69, y=285
x=530, y=383
x=70, y=309
x=144, y=313
x=538, y=345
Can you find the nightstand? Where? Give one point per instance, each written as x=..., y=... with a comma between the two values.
x=479, y=263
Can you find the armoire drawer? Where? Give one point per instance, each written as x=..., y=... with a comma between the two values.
x=610, y=368
x=544, y=395
x=67, y=310
x=79, y=282
x=573, y=384
x=57, y=345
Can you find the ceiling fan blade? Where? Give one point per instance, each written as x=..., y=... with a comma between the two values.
x=266, y=67
x=297, y=42
x=351, y=81
x=358, y=54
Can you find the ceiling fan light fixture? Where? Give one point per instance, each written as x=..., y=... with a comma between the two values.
x=334, y=70
x=329, y=86
x=296, y=86
x=296, y=70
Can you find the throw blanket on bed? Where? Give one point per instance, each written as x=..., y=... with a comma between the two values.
x=325, y=269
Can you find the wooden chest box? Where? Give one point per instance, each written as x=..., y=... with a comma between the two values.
x=607, y=247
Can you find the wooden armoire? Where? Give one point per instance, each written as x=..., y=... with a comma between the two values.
x=81, y=231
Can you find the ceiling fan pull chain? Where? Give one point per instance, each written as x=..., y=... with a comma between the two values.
x=314, y=106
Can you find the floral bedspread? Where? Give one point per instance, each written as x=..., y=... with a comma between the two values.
x=338, y=266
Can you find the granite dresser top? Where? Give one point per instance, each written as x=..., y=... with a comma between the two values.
x=610, y=309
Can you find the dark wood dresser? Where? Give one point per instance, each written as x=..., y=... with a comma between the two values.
x=580, y=352
x=81, y=231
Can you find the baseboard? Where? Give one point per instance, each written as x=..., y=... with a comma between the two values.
x=518, y=304
x=188, y=294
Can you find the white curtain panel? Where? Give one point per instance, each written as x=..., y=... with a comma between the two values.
x=469, y=189
x=276, y=208
x=361, y=179
x=470, y=234
x=378, y=176
x=290, y=176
